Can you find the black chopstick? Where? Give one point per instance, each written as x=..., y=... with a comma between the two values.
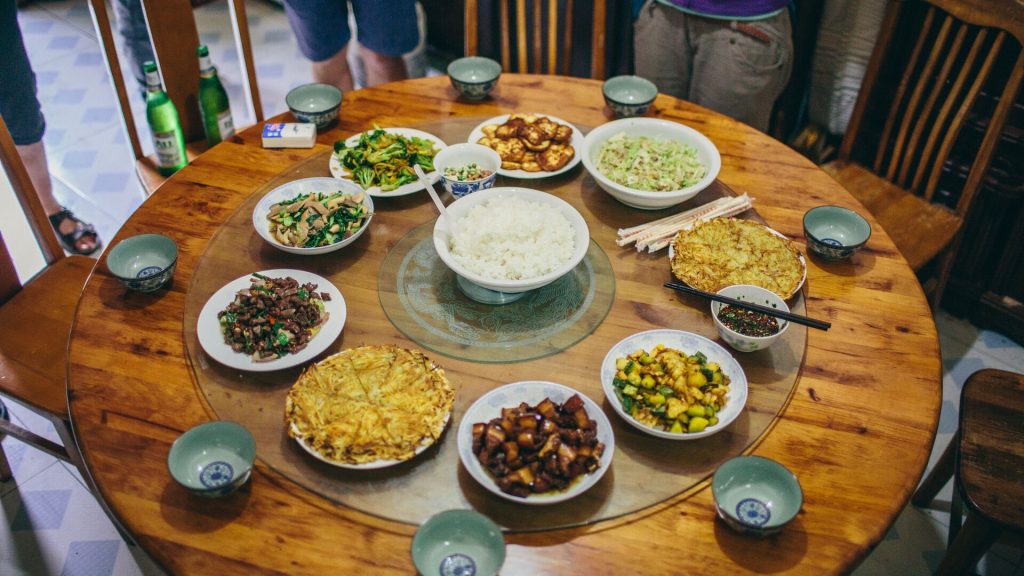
x=794, y=318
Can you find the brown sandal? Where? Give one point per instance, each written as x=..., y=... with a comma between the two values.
x=82, y=230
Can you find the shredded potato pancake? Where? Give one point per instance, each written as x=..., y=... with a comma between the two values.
x=727, y=251
x=370, y=403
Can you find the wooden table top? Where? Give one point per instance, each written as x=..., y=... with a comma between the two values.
x=857, y=431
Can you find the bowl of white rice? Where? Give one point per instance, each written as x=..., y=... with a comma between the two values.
x=512, y=240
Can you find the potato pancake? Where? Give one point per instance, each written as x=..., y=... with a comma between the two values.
x=369, y=403
x=727, y=251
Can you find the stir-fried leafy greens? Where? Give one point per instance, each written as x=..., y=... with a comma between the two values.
x=385, y=159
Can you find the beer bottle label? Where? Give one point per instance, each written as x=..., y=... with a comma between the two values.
x=168, y=155
x=225, y=125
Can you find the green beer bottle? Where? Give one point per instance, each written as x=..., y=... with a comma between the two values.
x=163, y=123
x=213, y=101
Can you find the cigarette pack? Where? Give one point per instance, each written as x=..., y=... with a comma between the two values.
x=289, y=135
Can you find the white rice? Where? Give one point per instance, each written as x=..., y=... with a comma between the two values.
x=508, y=238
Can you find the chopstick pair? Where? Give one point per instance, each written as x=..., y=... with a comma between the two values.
x=794, y=318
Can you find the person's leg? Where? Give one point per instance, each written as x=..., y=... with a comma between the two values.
x=321, y=29
x=20, y=109
x=740, y=68
x=661, y=49
x=387, y=30
x=334, y=70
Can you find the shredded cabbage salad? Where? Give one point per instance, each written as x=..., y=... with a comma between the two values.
x=651, y=164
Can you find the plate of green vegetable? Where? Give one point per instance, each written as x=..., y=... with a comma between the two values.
x=381, y=160
x=313, y=215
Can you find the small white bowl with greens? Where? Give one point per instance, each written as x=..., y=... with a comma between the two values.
x=648, y=163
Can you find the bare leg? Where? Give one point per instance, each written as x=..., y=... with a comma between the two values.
x=34, y=158
x=381, y=69
x=334, y=70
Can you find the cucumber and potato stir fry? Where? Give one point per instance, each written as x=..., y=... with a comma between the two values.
x=670, y=390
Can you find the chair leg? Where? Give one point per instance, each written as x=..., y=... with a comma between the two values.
x=67, y=437
x=937, y=478
x=5, y=467
x=946, y=261
x=974, y=539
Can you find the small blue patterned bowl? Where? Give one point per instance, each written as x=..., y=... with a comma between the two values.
x=144, y=262
x=460, y=155
x=834, y=232
x=315, y=104
x=458, y=543
x=213, y=459
x=755, y=495
x=474, y=76
x=629, y=96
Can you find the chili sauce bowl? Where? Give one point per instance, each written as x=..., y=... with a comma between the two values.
x=629, y=96
x=754, y=295
x=213, y=459
x=315, y=104
x=474, y=76
x=756, y=495
x=458, y=542
x=144, y=262
x=459, y=155
x=834, y=232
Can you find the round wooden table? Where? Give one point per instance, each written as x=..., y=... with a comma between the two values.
x=857, y=431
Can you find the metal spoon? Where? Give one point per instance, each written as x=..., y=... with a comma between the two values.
x=452, y=227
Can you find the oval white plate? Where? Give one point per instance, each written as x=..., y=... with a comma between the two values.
x=307, y=186
x=799, y=254
x=576, y=142
x=212, y=341
x=383, y=463
x=340, y=173
x=691, y=344
x=532, y=392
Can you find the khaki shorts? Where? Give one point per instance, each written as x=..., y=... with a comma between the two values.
x=736, y=68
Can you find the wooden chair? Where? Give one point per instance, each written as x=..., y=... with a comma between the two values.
x=172, y=30
x=549, y=48
x=937, y=56
x=987, y=461
x=36, y=319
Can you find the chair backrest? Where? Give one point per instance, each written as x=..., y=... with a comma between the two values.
x=34, y=211
x=543, y=35
x=932, y=60
x=172, y=31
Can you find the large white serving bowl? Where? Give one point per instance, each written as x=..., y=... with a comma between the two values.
x=691, y=344
x=532, y=392
x=307, y=186
x=459, y=209
x=707, y=153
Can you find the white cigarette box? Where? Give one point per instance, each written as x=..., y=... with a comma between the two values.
x=289, y=135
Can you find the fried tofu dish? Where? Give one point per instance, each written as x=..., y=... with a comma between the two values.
x=727, y=251
x=370, y=403
x=531, y=143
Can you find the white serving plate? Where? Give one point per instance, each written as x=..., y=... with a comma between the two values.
x=691, y=344
x=338, y=171
x=799, y=254
x=576, y=142
x=532, y=392
x=383, y=463
x=210, y=337
x=307, y=186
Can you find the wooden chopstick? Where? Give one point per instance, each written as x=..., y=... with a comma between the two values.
x=794, y=318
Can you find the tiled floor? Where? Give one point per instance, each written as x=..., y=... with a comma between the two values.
x=52, y=524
